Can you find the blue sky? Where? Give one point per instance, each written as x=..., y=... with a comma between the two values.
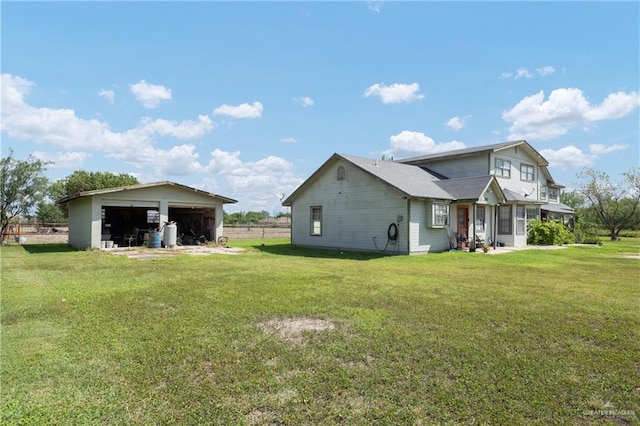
x=247, y=100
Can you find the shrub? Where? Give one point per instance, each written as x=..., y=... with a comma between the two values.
x=548, y=233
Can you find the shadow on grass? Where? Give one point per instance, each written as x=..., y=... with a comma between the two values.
x=291, y=250
x=48, y=248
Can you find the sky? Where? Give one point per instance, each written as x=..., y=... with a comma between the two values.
x=247, y=99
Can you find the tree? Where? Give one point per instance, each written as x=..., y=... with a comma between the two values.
x=615, y=205
x=23, y=186
x=81, y=180
x=49, y=213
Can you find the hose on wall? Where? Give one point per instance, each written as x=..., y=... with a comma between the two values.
x=392, y=239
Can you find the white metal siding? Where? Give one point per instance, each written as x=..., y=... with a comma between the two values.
x=461, y=167
x=422, y=238
x=80, y=223
x=356, y=212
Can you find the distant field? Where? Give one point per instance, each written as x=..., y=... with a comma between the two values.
x=280, y=335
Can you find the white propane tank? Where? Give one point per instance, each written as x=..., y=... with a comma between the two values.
x=170, y=235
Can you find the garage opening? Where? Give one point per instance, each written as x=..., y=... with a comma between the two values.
x=195, y=225
x=128, y=226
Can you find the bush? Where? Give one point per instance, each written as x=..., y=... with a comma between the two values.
x=587, y=233
x=548, y=233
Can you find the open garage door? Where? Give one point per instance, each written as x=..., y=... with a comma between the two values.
x=195, y=225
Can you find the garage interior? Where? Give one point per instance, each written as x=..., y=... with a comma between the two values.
x=130, y=226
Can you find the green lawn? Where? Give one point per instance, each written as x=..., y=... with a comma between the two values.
x=530, y=337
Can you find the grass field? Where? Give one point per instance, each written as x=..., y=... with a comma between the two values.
x=280, y=335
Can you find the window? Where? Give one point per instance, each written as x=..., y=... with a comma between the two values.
x=543, y=192
x=480, y=218
x=504, y=220
x=533, y=213
x=520, y=220
x=527, y=172
x=341, y=173
x=153, y=216
x=439, y=214
x=503, y=168
x=316, y=220
x=554, y=194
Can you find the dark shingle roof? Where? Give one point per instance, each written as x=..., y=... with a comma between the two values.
x=411, y=180
x=470, y=188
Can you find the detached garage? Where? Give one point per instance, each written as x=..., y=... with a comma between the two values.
x=126, y=215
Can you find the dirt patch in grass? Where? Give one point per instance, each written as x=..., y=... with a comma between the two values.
x=292, y=329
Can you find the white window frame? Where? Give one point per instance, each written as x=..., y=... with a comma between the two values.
x=554, y=195
x=505, y=217
x=315, y=221
x=503, y=168
x=543, y=192
x=439, y=215
x=527, y=172
x=521, y=221
x=480, y=218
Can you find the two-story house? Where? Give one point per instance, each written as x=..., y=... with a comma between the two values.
x=428, y=203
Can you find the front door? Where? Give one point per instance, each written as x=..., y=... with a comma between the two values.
x=463, y=223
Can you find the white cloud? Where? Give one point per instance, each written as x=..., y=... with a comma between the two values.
x=395, y=93
x=599, y=149
x=289, y=140
x=186, y=129
x=523, y=73
x=411, y=144
x=305, y=101
x=241, y=111
x=64, y=128
x=573, y=157
x=177, y=161
x=545, y=71
x=535, y=118
x=456, y=123
x=254, y=180
x=374, y=6
x=615, y=105
x=70, y=160
x=108, y=95
x=150, y=95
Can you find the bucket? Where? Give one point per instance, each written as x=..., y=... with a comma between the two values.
x=155, y=239
x=103, y=244
x=170, y=235
x=109, y=244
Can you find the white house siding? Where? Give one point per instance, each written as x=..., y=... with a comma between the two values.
x=354, y=212
x=80, y=216
x=461, y=166
x=515, y=183
x=421, y=238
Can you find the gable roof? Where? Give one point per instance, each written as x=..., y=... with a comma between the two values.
x=411, y=180
x=479, y=150
x=470, y=188
x=81, y=194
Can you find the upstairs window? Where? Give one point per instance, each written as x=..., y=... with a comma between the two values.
x=543, y=193
x=527, y=172
x=341, y=173
x=316, y=220
x=554, y=195
x=503, y=168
